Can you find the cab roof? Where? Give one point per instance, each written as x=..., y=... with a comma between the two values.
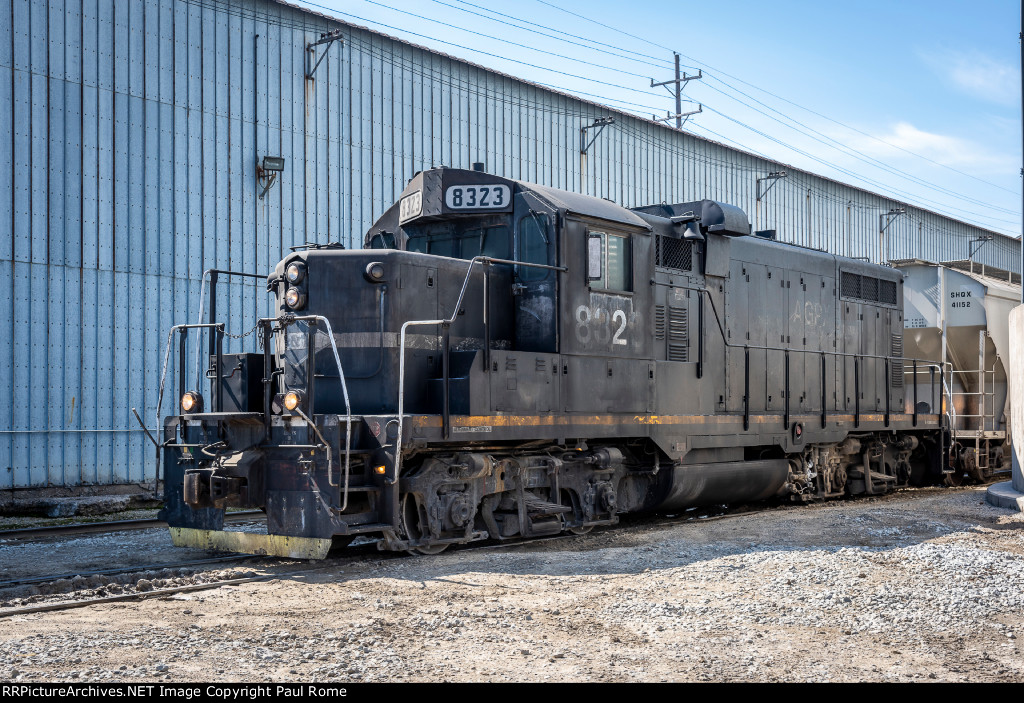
x=586, y=205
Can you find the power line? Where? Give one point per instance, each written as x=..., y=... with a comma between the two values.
x=479, y=51
x=505, y=41
x=848, y=172
x=844, y=148
x=560, y=31
x=553, y=36
x=306, y=26
x=858, y=131
x=853, y=174
x=850, y=151
x=602, y=24
x=470, y=87
x=786, y=100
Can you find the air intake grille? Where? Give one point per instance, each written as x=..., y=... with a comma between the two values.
x=660, y=322
x=678, y=335
x=867, y=288
x=887, y=292
x=851, y=285
x=897, y=366
x=673, y=253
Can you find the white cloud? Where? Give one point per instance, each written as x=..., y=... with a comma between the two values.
x=978, y=75
x=942, y=148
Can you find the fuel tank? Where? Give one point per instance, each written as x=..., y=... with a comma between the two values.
x=731, y=482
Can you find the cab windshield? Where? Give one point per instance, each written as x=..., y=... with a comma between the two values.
x=463, y=238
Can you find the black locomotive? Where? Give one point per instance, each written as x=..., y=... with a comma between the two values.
x=503, y=359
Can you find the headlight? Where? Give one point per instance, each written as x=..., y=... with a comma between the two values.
x=192, y=402
x=374, y=272
x=295, y=272
x=292, y=400
x=294, y=298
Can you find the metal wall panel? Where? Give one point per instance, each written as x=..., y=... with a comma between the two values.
x=131, y=130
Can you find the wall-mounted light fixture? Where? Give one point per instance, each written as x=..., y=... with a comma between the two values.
x=266, y=172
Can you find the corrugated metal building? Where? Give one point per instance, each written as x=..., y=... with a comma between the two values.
x=129, y=137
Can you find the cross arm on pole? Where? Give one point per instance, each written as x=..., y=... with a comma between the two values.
x=774, y=178
x=600, y=123
x=327, y=38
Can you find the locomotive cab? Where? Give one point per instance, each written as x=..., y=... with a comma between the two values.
x=469, y=214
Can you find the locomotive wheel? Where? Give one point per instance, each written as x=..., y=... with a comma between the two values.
x=433, y=549
x=954, y=479
x=412, y=529
x=569, y=498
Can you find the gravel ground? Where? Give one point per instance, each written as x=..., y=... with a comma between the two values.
x=924, y=585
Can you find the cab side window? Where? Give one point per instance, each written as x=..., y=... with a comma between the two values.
x=616, y=262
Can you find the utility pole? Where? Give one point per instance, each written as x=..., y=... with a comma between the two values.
x=679, y=82
x=1022, y=142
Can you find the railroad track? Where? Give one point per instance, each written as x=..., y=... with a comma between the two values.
x=127, y=570
x=346, y=556
x=35, y=533
x=351, y=554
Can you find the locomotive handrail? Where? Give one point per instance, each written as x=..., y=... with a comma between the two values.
x=286, y=320
x=163, y=376
x=486, y=260
x=167, y=353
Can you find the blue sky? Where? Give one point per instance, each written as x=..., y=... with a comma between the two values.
x=868, y=82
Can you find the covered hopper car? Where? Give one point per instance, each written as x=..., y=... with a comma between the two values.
x=503, y=359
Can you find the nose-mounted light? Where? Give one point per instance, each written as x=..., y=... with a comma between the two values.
x=292, y=400
x=295, y=272
x=294, y=298
x=374, y=272
x=192, y=402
